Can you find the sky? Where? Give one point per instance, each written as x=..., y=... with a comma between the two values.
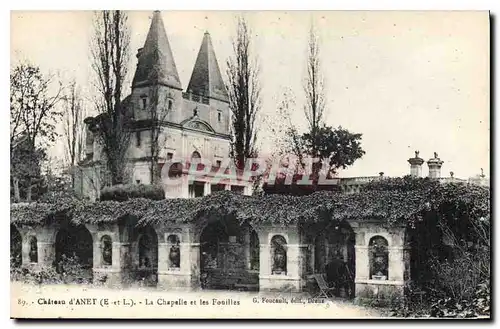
x=406, y=80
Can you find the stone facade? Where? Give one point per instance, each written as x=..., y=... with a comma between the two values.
x=196, y=121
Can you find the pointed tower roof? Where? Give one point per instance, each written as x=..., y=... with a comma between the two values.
x=155, y=60
x=206, y=79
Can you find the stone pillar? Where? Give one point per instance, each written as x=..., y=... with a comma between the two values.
x=435, y=165
x=396, y=263
x=246, y=247
x=194, y=265
x=207, y=188
x=46, y=238
x=416, y=165
x=294, y=260
x=264, y=260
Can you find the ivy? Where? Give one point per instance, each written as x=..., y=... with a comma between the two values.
x=391, y=200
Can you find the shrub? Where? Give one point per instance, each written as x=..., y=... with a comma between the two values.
x=68, y=270
x=132, y=191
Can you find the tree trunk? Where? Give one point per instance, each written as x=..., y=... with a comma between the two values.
x=28, y=190
x=17, y=195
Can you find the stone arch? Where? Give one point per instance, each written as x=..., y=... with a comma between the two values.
x=33, y=249
x=174, y=251
x=334, y=254
x=16, y=246
x=229, y=253
x=379, y=257
x=106, y=250
x=74, y=244
x=145, y=254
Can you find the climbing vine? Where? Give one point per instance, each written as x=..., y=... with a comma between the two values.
x=395, y=201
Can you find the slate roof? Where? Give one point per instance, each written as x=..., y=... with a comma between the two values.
x=206, y=79
x=155, y=61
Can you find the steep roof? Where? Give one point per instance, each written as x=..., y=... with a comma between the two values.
x=155, y=60
x=206, y=79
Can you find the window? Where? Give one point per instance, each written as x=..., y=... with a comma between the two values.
x=219, y=116
x=144, y=102
x=138, y=138
x=174, y=256
x=170, y=104
x=138, y=181
x=218, y=163
x=33, y=250
x=107, y=250
x=170, y=156
x=195, y=112
x=278, y=253
x=379, y=258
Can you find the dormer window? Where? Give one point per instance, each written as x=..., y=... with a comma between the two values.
x=144, y=102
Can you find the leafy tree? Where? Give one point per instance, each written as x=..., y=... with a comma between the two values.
x=338, y=148
x=244, y=95
x=110, y=54
x=33, y=116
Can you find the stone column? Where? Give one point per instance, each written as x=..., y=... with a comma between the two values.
x=194, y=265
x=207, y=188
x=396, y=263
x=46, y=238
x=293, y=260
x=264, y=260
x=246, y=247
x=120, y=273
x=362, y=269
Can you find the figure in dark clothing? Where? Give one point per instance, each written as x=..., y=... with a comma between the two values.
x=337, y=274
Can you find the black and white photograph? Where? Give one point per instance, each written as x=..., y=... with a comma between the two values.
x=173, y=164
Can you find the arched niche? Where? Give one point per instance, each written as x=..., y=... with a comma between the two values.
x=379, y=258
x=279, y=255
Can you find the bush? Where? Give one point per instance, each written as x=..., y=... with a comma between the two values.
x=132, y=191
x=68, y=270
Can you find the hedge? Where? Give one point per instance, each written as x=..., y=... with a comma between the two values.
x=401, y=200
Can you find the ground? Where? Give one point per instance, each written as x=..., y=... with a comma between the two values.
x=32, y=301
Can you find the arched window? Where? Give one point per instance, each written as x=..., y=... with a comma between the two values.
x=107, y=250
x=174, y=256
x=33, y=254
x=278, y=253
x=379, y=258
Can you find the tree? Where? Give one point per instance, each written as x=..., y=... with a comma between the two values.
x=33, y=116
x=244, y=95
x=74, y=128
x=110, y=52
x=314, y=89
x=337, y=148
x=158, y=108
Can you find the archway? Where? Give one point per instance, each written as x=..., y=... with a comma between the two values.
x=15, y=247
x=229, y=256
x=335, y=257
x=74, y=252
x=146, y=256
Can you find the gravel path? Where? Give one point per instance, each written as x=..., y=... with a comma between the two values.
x=76, y=301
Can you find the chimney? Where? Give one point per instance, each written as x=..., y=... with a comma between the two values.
x=435, y=165
x=416, y=165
